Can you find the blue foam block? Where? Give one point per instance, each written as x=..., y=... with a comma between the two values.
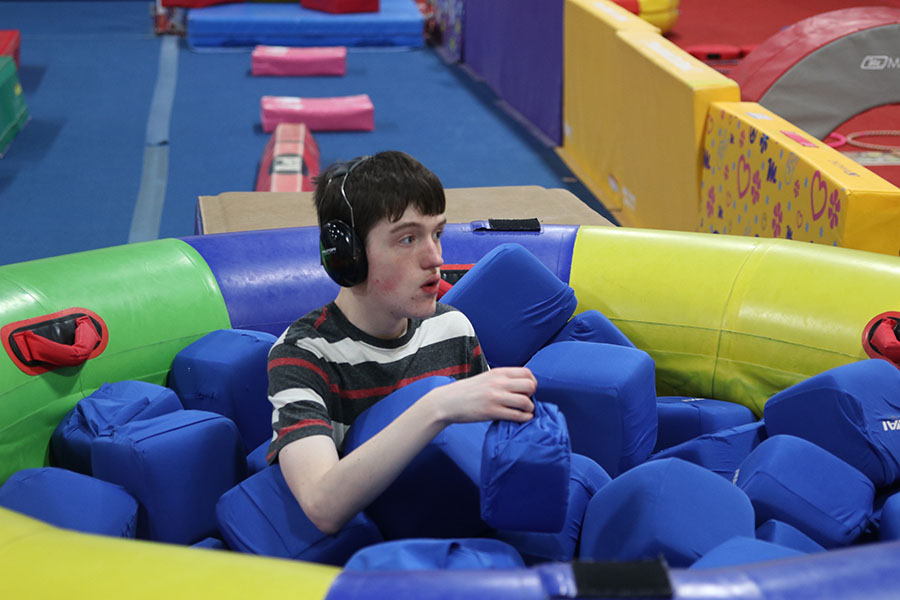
x=527, y=460
x=72, y=501
x=607, y=395
x=261, y=516
x=397, y=23
x=176, y=466
x=853, y=411
x=889, y=527
x=779, y=532
x=682, y=418
x=792, y=480
x=432, y=554
x=436, y=495
x=592, y=326
x=225, y=372
x=515, y=303
x=666, y=507
x=256, y=460
x=586, y=478
x=111, y=405
x=741, y=550
x=211, y=543
x=720, y=452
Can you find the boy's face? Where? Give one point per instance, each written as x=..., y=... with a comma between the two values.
x=404, y=266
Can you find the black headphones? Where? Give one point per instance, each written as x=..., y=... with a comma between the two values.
x=343, y=254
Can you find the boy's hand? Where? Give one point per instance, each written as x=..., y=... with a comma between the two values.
x=502, y=393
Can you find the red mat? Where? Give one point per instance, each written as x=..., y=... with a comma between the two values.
x=745, y=24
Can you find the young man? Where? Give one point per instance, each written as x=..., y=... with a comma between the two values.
x=381, y=219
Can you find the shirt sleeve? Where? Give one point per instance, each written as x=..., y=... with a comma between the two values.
x=299, y=393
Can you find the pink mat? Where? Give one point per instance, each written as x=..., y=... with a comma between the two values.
x=345, y=113
x=285, y=61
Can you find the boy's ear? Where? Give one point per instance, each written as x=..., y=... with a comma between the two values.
x=342, y=253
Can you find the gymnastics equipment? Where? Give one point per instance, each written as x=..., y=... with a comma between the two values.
x=761, y=175
x=260, y=516
x=823, y=70
x=779, y=532
x=516, y=46
x=295, y=62
x=591, y=326
x=396, y=23
x=224, y=372
x=72, y=501
x=341, y=6
x=682, y=419
x=746, y=299
x=429, y=554
x=501, y=460
x=795, y=481
x=741, y=550
x=528, y=304
x=586, y=478
x=112, y=405
x=636, y=87
x=176, y=466
x=851, y=411
x=514, y=458
x=664, y=507
x=721, y=451
x=345, y=113
x=607, y=395
x=256, y=460
x=290, y=161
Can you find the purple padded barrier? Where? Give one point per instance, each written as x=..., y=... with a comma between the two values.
x=270, y=278
x=866, y=571
x=517, y=46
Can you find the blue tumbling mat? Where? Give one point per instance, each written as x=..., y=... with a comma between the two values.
x=397, y=23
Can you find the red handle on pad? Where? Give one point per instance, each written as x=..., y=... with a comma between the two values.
x=885, y=341
x=35, y=347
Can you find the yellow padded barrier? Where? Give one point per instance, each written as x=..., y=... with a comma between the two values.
x=634, y=112
x=764, y=176
x=41, y=561
x=728, y=317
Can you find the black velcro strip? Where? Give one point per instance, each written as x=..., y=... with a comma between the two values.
x=637, y=579
x=532, y=224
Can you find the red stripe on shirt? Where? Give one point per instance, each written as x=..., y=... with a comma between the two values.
x=477, y=352
x=301, y=424
x=387, y=389
x=321, y=318
x=298, y=362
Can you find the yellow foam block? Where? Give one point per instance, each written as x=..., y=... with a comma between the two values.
x=764, y=176
x=41, y=561
x=729, y=317
x=634, y=110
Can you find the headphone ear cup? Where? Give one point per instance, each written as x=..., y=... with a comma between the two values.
x=343, y=254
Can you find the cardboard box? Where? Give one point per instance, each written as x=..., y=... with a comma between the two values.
x=247, y=211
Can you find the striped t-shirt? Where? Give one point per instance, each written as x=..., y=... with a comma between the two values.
x=324, y=371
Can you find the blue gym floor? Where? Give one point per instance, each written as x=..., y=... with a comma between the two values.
x=101, y=88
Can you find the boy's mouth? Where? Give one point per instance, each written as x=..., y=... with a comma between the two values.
x=431, y=286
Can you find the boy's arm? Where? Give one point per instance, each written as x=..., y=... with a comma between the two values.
x=332, y=490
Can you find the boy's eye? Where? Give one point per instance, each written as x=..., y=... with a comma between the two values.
x=438, y=234
x=409, y=239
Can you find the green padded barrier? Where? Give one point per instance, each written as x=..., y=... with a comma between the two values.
x=13, y=111
x=155, y=298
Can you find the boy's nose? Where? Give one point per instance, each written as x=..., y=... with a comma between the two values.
x=433, y=257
